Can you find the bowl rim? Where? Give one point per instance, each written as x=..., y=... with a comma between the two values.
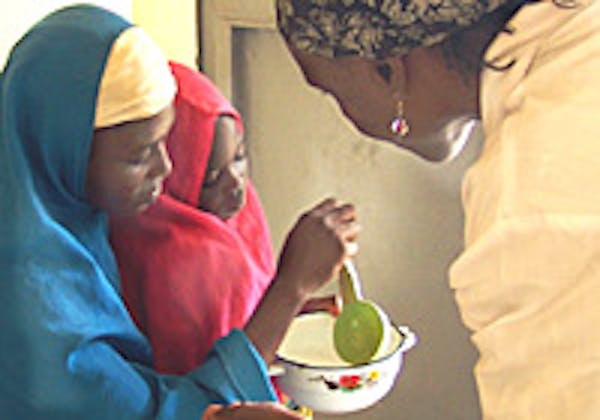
x=408, y=341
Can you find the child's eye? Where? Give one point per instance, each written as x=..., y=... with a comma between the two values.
x=141, y=157
x=240, y=153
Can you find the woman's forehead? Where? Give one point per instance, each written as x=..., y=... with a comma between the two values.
x=325, y=73
x=131, y=136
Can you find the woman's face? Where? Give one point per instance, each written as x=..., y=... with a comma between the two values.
x=128, y=164
x=224, y=188
x=363, y=99
x=433, y=97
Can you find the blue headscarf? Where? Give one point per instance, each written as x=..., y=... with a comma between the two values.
x=69, y=348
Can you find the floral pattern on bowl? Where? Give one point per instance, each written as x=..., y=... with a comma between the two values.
x=349, y=383
x=312, y=374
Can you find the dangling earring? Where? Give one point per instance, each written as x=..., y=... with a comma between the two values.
x=399, y=126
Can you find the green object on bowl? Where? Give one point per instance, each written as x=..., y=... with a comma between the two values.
x=310, y=371
x=362, y=330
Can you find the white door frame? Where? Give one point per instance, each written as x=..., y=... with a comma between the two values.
x=219, y=19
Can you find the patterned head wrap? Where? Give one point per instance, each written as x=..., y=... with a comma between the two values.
x=375, y=28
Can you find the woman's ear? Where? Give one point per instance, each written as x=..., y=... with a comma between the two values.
x=392, y=72
x=384, y=71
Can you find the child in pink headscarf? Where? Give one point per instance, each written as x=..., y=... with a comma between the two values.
x=196, y=264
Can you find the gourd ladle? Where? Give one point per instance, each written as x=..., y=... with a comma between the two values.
x=362, y=331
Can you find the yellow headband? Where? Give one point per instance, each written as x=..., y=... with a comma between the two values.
x=137, y=82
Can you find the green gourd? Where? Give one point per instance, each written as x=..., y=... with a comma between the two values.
x=362, y=331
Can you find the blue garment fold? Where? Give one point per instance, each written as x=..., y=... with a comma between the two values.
x=69, y=349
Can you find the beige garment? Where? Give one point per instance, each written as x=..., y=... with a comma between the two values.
x=528, y=282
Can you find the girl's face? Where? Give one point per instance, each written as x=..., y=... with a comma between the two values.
x=128, y=164
x=224, y=189
x=436, y=101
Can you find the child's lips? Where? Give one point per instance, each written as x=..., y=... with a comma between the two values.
x=232, y=207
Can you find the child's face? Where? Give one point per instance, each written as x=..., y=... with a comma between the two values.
x=128, y=164
x=224, y=189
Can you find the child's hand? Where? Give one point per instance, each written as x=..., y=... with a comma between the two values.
x=330, y=303
x=317, y=245
x=313, y=253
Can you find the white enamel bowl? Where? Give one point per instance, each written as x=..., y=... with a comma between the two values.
x=309, y=370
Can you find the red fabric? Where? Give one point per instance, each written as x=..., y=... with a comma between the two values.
x=188, y=277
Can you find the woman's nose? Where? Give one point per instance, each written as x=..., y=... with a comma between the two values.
x=163, y=165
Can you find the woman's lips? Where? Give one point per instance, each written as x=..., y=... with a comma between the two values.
x=152, y=195
x=156, y=192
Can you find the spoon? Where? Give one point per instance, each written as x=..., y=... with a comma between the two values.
x=362, y=331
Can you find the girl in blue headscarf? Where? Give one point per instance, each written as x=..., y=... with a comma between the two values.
x=85, y=107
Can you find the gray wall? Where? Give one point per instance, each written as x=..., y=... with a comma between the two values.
x=302, y=150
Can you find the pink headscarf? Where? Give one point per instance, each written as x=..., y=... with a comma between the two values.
x=188, y=277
